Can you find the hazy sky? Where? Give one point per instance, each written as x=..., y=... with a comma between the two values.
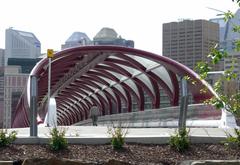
x=53, y=21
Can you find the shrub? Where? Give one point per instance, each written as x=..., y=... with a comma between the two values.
x=180, y=141
x=233, y=140
x=5, y=138
x=58, y=140
x=118, y=135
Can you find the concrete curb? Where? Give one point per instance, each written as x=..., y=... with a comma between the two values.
x=6, y=162
x=10, y=162
x=106, y=140
x=187, y=162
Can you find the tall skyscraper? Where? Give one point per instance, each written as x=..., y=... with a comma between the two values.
x=227, y=42
x=15, y=82
x=22, y=50
x=21, y=45
x=190, y=41
x=108, y=36
x=227, y=36
x=1, y=86
x=77, y=39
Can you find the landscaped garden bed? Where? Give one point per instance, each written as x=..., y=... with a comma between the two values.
x=131, y=153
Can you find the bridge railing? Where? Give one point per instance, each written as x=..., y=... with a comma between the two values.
x=197, y=115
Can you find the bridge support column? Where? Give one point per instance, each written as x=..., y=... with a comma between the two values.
x=183, y=105
x=33, y=106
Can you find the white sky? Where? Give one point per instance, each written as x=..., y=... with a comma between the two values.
x=53, y=21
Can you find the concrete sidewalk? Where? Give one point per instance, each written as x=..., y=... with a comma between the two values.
x=99, y=135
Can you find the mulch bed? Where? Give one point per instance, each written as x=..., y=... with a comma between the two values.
x=132, y=153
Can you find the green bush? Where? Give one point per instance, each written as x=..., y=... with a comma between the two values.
x=58, y=140
x=5, y=138
x=117, y=137
x=180, y=141
x=233, y=140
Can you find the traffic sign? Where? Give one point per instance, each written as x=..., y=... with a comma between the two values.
x=50, y=53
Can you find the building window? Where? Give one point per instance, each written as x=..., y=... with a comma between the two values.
x=13, y=81
x=19, y=81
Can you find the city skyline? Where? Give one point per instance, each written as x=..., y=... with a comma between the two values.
x=140, y=21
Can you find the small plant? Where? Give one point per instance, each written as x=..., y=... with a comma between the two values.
x=58, y=140
x=118, y=135
x=5, y=138
x=180, y=141
x=233, y=140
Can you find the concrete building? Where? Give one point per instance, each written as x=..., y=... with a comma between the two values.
x=22, y=52
x=190, y=41
x=26, y=64
x=108, y=36
x=21, y=45
x=233, y=60
x=222, y=27
x=227, y=36
x=77, y=39
x=15, y=82
x=227, y=42
x=1, y=86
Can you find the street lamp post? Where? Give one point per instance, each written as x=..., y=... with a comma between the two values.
x=50, y=56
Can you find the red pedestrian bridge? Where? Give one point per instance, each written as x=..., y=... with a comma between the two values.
x=110, y=77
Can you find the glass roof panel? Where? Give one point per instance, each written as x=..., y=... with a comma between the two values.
x=93, y=88
x=132, y=85
x=146, y=81
x=101, y=85
x=109, y=81
x=86, y=91
x=103, y=95
x=109, y=90
x=74, y=96
x=117, y=75
x=163, y=74
x=145, y=62
x=87, y=98
x=120, y=88
x=79, y=94
x=114, y=57
x=95, y=97
x=83, y=102
x=131, y=70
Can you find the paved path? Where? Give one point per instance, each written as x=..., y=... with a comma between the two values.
x=99, y=135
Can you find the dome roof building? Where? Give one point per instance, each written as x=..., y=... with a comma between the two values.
x=77, y=39
x=108, y=36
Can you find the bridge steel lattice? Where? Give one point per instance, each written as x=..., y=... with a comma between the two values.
x=108, y=76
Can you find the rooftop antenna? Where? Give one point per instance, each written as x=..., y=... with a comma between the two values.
x=222, y=12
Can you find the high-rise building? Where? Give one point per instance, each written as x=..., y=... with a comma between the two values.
x=227, y=42
x=227, y=36
x=21, y=45
x=108, y=36
x=222, y=25
x=15, y=82
x=22, y=52
x=1, y=86
x=77, y=39
x=190, y=41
